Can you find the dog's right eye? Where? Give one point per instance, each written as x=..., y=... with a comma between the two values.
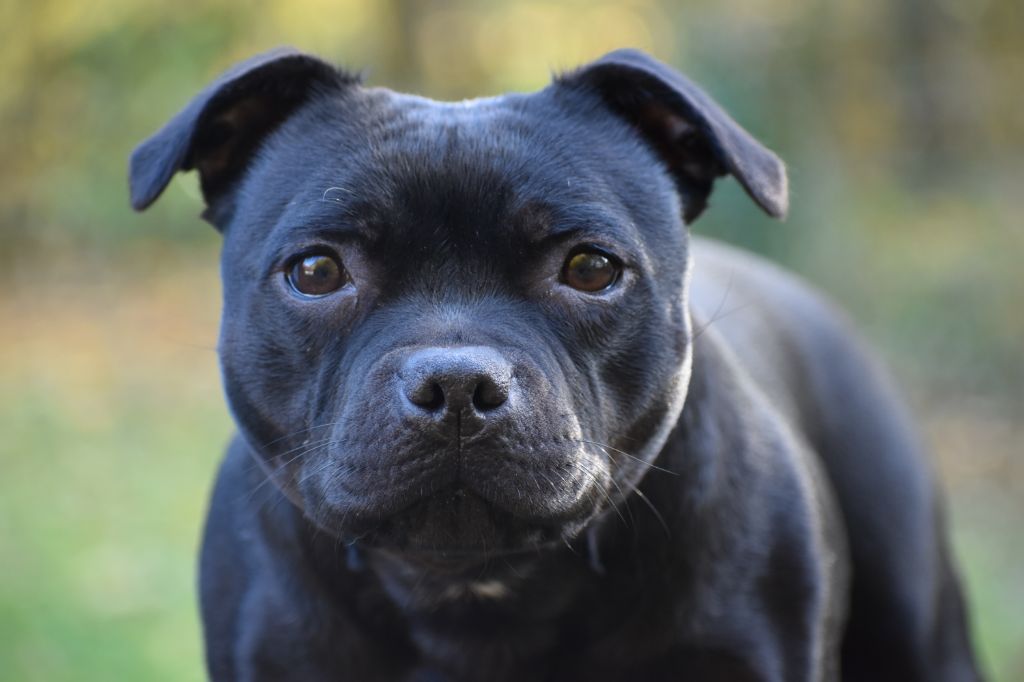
x=316, y=274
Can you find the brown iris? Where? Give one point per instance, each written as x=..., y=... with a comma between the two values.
x=590, y=270
x=316, y=274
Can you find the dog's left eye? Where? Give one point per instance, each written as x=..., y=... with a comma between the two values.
x=316, y=274
x=591, y=270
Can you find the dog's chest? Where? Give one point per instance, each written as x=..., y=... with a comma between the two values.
x=553, y=647
x=449, y=659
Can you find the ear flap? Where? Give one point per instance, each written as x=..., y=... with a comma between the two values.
x=218, y=131
x=697, y=140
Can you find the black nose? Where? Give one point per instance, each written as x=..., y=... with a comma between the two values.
x=439, y=380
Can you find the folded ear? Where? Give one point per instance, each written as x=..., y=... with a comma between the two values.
x=696, y=139
x=218, y=131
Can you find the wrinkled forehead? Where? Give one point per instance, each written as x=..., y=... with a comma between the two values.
x=405, y=168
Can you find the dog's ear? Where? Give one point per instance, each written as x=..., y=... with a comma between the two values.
x=220, y=129
x=696, y=139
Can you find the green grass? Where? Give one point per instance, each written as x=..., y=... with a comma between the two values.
x=113, y=424
x=101, y=524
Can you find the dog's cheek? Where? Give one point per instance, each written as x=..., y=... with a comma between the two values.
x=642, y=374
x=641, y=369
x=265, y=376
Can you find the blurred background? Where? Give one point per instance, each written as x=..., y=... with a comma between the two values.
x=900, y=120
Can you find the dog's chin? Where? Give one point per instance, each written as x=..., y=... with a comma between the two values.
x=453, y=530
x=458, y=523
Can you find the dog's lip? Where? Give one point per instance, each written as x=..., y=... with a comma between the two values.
x=376, y=512
x=455, y=560
x=443, y=553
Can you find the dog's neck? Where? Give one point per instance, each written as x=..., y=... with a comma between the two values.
x=490, y=583
x=445, y=617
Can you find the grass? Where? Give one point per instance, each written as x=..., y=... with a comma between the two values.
x=113, y=424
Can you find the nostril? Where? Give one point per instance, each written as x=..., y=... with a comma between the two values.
x=428, y=394
x=451, y=380
x=489, y=394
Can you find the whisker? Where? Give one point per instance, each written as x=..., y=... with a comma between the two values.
x=718, y=310
x=622, y=494
x=292, y=434
x=323, y=500
x=512, y=568
x=643, y=497
x=305, y=449
x=654, y=510
x=325, y=465
x=633, y=457
x=741, y=307
x=549, y=481
x=604, y=491
x=306, y=444
x=718, y=314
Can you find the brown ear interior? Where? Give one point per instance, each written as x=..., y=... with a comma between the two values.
x=226, y=142
x=684, y=148
x=697, y=140
x=670, y=126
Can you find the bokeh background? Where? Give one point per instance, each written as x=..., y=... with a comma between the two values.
x=901, y=121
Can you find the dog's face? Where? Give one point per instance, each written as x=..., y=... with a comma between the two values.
x=455, y=327
x=445, y=323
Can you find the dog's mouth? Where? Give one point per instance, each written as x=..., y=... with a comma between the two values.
x=456, y=526
x=433, y=508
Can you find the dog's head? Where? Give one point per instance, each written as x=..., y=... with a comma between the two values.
x=455, y=326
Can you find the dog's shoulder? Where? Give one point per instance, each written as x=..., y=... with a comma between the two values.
x=758, y=526
x=794, y=342
x=745, y=295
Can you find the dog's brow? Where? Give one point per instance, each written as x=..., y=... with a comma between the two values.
x=333, y=216
x=546, y=222
x=334, y=229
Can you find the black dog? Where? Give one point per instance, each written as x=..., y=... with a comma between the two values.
x=491, y=427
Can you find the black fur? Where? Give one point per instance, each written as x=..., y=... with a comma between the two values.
x=457, y=467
